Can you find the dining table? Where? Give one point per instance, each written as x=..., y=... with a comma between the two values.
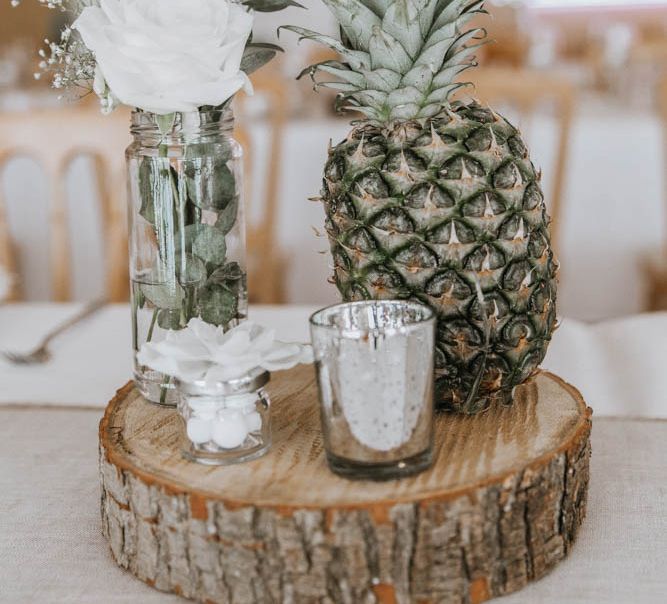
x=51, y=544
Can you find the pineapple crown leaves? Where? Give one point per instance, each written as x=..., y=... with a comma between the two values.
x=398, y=58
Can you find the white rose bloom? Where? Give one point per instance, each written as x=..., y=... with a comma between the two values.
x=168, y=55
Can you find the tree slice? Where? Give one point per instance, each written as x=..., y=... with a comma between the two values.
x=500, y=507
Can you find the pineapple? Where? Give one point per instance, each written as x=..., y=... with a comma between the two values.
x=436, y=200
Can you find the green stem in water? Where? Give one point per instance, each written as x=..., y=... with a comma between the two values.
x=164, y=389
x=151, y=327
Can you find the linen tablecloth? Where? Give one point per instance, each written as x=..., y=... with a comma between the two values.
x=91, y=361
x=620, y=366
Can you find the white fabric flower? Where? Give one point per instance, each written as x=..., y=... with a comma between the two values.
x=165, y=56
x=5, y=283
x=204, y=352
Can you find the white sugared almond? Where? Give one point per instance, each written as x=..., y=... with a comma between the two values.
x=199, y=430
x=253, y=421
x=229, y=429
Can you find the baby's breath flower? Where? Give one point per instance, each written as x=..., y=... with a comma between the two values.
x=69, y=61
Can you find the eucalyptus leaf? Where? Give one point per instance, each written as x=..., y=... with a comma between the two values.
x=217, y=305
x=269, y=6
x=139, y=298
x=183, y=243
x=169, y=319
x=256, y=56
x=232, y=271
x=211, y=185
x=220, y=150
x=190, y=270
x=232, y=276
x=163, y=295
x=147, y=179
x=227, y=217
x=209, y=244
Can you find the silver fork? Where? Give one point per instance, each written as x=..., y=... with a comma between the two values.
x=41, y=354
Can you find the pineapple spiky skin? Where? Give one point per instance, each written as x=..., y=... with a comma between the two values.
x=448, y=210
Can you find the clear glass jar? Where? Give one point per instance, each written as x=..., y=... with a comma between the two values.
x=225, y=422
x=187, y=230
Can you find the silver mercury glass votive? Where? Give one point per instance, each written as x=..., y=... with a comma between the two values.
x=225, y=422
x=374, y=363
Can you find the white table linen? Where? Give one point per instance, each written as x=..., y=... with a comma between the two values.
x=93, y=359
x=620, y=366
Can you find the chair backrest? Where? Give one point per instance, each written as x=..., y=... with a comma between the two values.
x=506, y=32
x=54, y=138
x=266, y=264
x=662, y=108
x=654, y=265
x=526, y=90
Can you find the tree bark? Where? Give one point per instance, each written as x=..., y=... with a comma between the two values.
x=500, y=507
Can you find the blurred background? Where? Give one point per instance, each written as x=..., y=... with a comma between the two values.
x=586, y=80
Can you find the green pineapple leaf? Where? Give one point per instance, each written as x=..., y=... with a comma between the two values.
x=356, y=20
x=387, y=53
x=340, y=71
x=356, y=59
x=382, y=79
x=401, y=21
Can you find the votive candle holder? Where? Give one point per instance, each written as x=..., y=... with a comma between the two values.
x=374, y=364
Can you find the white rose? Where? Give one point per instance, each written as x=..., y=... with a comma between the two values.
x=168, y=55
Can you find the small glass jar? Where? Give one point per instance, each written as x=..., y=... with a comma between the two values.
x=225, y=422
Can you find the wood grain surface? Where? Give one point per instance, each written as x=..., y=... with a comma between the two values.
x=500, y=506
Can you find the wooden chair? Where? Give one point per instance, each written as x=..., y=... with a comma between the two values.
x=655, y=267
x=54, y=138
x=266, y=262
x=506, y=29
x=525, y=90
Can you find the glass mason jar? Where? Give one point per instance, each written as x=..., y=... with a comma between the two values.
x=187, y=231
x=225, y=422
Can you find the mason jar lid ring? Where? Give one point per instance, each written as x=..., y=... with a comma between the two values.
x=251, y=382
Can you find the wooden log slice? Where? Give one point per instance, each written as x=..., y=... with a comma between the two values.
x=500, y=507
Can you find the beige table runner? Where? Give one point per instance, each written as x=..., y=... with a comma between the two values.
x=51, y=548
